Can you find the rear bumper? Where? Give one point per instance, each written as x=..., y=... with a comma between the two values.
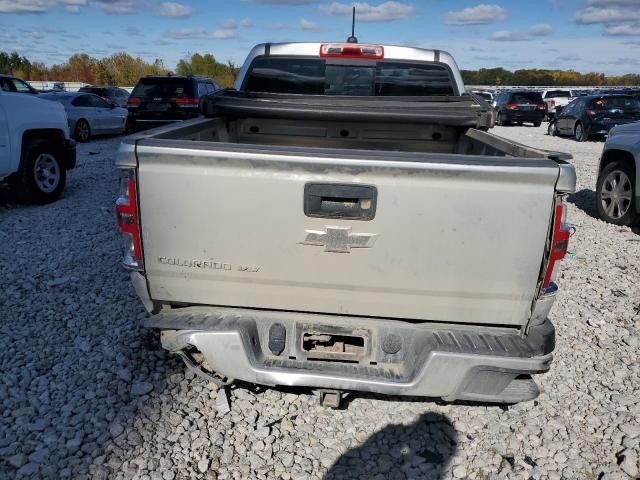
x=452, y=362
x=530, y=116
x=69, y=154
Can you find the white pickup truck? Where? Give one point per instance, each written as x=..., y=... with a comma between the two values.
x=555, y=98
x=36, y=150
x=342, y=220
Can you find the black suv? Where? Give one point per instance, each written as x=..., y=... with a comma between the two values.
x=115, y=95
x=168, y=98
x=595, y=115
x=519, y=107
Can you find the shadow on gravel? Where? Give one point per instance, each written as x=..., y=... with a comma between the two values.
x=585, y=200
x=420, y=450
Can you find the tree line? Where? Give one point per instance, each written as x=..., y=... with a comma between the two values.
x=125, y=70
x=542, y=77
x=118, y=69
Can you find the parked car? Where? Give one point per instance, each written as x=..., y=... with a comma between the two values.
x=595, y=115
x=488, y=96
x=36, y=150
x=519, y=107
x=158, y=100
x=617, y=192
x=90, y=114
x=555, y=98
x=16, y=85
x=115, y=95
x=298, y=236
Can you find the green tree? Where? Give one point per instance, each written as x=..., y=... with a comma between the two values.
x=207, y=66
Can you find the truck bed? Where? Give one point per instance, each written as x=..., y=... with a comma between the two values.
x=458, y=232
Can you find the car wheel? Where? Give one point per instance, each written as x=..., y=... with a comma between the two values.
x=537, y=124
x=552, y=129
x=581, y=133
x=615, y=194
x=82, y=132
x=41, y=177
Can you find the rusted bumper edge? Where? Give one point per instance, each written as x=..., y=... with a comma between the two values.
x=452, y=362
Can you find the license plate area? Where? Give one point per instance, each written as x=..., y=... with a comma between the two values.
x=158, y=107
x=334, y=345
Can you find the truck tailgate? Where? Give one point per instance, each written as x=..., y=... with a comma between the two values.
x=454, y=238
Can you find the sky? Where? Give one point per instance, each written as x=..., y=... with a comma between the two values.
x=584, y=35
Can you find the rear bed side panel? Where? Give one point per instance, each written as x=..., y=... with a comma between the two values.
x=460, y=241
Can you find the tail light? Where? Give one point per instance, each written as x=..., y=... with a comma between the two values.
x=127, y=214
x=351, y=50
x=187, y=102
x=541, y=106
x=134, y=101
x=553, y=103
x=512, y=106
x=559, y=242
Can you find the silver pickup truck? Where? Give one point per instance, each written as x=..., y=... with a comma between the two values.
x=343, y=220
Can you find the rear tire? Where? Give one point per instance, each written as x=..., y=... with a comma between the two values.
x=82, y=131
x=615, y=194
x=501, y=121
x=42, y=176
x=537, y=124
x=580, y=133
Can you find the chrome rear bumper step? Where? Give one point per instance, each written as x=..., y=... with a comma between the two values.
x=453, y=362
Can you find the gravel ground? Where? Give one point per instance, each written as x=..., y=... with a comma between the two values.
x=86, y=392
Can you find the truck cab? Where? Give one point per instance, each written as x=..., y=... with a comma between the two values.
x=36, y=150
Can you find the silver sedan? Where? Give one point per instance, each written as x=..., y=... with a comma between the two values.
x=89, y=114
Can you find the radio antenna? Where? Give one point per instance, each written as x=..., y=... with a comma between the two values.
x=352, y=38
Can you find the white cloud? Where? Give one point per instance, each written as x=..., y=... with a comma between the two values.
x=385, y=12
x=538, y=30
x=623, y=29
x=618, y=17
x=478, y=15
x=225, y=34
x=24, y=6
x=232, y=23
x=39, y=6
x=285, y=2
x=507, y=36
x=202, y=33
x=116, y=6
x=173, y=9
x=309, y=25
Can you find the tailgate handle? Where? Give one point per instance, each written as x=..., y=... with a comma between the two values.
x=336, y=200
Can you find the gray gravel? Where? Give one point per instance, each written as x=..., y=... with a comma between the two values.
x=86, y=392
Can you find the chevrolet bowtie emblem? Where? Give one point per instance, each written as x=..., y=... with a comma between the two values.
x=339, y=239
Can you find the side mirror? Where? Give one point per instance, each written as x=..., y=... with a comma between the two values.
x=111, y=106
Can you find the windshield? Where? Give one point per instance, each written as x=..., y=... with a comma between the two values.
x=311, y=76
x=163, y=87
x=625, y=103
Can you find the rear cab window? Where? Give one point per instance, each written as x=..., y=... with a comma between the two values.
x=527, y=98
x=318, y=76
x=558, y=94
x=165, y=87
